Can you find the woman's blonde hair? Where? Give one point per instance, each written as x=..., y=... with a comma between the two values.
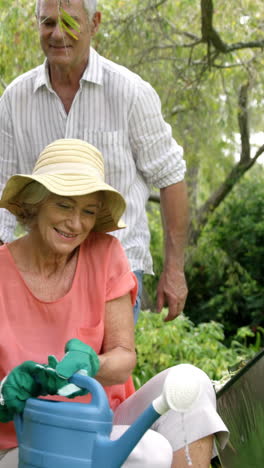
x=28, y=202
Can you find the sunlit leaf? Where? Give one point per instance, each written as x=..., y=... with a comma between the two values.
x=68, y=24
x=69, y=20
x=64, y=27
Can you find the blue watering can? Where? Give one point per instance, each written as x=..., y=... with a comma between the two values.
x=53, y=434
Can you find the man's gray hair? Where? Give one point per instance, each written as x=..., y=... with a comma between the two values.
x=89, y=6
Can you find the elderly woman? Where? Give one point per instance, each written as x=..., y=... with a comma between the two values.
x=66, y=287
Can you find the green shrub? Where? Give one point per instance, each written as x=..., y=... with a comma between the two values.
x=226, y=276
x=226, y=273
x=162, y=344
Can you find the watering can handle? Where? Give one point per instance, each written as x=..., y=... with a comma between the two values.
x=99, y=397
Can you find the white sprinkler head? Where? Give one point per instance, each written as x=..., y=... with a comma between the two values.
x=181, y=389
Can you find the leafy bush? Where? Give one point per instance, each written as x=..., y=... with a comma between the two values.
x=238, y=226
x=162, y=344
x=226, y=273
x=222, y=290
x=156, y=246
x=226, y=276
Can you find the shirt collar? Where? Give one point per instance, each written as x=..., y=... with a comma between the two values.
x=94, y=69
x=42, y=78
x=93, y=72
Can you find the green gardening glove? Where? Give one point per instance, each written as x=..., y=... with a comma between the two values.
x=81, y=358
x=6, y=415
x=17, y=387
x=47, y=377
x=51, y=383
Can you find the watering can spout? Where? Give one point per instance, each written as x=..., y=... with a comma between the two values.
x=180, y=392
x=117, y=451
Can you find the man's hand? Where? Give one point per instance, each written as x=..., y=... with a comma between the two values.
x=172, y=289
x=172, y=292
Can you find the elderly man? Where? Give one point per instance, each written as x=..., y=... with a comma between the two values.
x=77, y=93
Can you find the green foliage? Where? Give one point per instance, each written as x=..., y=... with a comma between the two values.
x=155, y=226
x=238, y=226
x=20, y=49
x=229, y=294
x=164, y=344
x=249, y=448
x=161, y=42
x=226, y=275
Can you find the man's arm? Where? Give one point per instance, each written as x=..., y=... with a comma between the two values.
x=172, y=289
x=160, y=159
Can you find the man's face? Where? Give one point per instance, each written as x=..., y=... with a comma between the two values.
x=60, y=48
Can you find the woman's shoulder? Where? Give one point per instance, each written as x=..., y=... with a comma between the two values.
x=103, y=246
x=101, y=240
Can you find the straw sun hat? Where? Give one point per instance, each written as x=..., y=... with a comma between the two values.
x=70, y=167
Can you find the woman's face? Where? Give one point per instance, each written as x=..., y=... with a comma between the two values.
x=63, y=223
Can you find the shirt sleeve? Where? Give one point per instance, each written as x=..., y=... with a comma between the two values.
x=157, y=155
x=121, y=280
x=8, y=164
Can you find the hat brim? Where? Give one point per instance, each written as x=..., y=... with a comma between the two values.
x=108, y=218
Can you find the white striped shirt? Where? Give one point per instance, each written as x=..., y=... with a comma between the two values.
x=116, y=111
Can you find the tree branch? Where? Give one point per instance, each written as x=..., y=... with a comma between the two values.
x=212, y=37
x=209, y=34
x=239, y=169
x=243, y=122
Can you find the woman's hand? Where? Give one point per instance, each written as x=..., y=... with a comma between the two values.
x=6, y=414
x=79, y=356
x=17, y=387
x=48, y=379
x=28, y=380
x=31, y=379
